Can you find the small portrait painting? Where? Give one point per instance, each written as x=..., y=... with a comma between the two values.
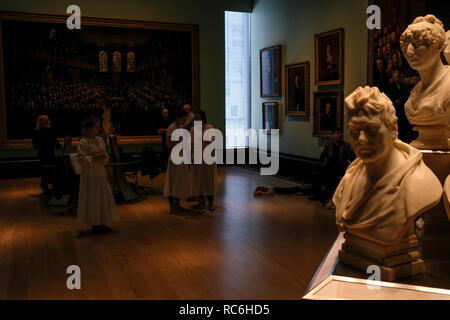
x=297, y=89
x=270, y=68
x=327, y=112
x=330, y=57
x=270, y=116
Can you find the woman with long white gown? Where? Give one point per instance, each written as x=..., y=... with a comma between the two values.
x=177, y=183
x=96, y=205
x=204, y=176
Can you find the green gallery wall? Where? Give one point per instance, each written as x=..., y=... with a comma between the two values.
x=208, y=14
x=291, y=23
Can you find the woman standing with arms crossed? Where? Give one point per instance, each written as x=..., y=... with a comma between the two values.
x=96, y=205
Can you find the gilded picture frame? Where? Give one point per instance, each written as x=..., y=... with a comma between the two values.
x=120, y=24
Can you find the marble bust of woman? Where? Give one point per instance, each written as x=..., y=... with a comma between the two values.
x=428, y=107
x=447, y=47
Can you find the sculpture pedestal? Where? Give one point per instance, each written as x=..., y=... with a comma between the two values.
x=447, y=196
x=439, y=163
x=325, y=285
x=432, y=137
x=396, y=261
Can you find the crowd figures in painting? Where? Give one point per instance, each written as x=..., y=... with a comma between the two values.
x=393, y=75
x=387, y=67
x=124, y=77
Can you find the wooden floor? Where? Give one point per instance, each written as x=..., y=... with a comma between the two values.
x=264, y=248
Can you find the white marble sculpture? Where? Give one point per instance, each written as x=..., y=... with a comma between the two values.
x=447, y=182
x=447, y=196
x=428, y=107
x=388, y=185
x=447, y=47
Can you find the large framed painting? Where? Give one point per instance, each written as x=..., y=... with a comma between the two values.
x=387, y=67
x=297, y=89
x=123, y=72
x=270, y=70
x=328, y=113
x=329, y=52
x=270, y=119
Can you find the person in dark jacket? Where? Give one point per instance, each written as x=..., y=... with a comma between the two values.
x=336, y=156
x=164, y=123
x=44, y=140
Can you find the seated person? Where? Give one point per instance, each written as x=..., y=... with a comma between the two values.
x=336, y=156
x=265, y=191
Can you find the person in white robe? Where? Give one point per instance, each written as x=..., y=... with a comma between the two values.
x=190, y=117
x=177, y=184
x=204, y=176
x=96, y=204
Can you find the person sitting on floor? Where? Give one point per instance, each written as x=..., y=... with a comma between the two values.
x=336, y=157
x=266, y=191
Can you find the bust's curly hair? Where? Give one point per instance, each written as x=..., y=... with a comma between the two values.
x=429, y=30
x=373, y=102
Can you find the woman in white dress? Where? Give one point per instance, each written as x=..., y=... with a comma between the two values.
x=96, y=205
x=204, y=176
x=177, y=183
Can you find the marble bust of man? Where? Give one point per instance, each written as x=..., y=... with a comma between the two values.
x=428, y=106
x=388, y=185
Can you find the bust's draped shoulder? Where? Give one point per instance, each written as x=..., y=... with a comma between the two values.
x=382, y=211
x=446, y=87
x=432, y=105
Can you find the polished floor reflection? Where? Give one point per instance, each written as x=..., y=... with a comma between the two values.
x=265, y=248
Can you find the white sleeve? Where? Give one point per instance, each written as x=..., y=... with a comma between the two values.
x=102, y=143
x=81, y=152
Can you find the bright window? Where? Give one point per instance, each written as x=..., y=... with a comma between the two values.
x=103, y=61
x=131, y=62
x=237, y=74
